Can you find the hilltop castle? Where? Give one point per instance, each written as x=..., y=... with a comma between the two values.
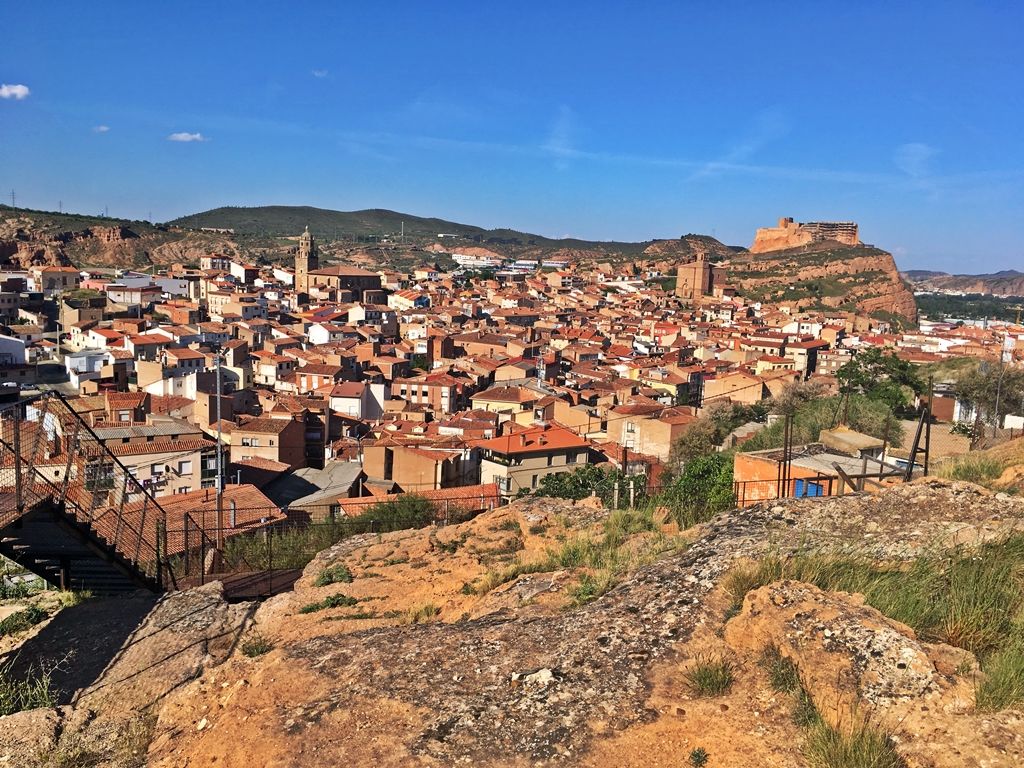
x=792, y=234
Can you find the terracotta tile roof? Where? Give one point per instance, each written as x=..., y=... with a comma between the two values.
x=534, y=440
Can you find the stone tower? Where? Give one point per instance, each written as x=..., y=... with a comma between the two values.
x=694, y=279
x=306, y=261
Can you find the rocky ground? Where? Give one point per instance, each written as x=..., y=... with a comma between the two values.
x=428, y=667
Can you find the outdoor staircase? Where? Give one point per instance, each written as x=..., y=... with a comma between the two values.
x=70, y=512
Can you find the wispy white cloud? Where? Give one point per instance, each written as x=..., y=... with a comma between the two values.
x=559, y=142
x=769, y=125
x=321, y=73
x=914, y=159
x=16, y=92
x=185, y=137
x=100, y=128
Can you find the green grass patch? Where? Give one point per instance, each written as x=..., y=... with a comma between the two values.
x=256, y=644
x=334, y=601
x=422, y=614
x=863, y=747
x=709, y=676
x=334, y=574
x=1003, y=686
x=34, y=691
x=782, y=673
x=607, y=554
x=972, y=468
x=592, y=586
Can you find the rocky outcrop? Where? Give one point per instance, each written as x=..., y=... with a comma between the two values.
x=863, y=669
x=1009, y=282
x=527, y=679
x=861, y=279
x=688, y=248
x=141, y=662
x=27, y=240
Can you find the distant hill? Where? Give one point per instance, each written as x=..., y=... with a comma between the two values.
x=328, y=225
x=1006, y=282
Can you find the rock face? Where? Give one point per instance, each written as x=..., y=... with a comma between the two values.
x=827, y=276
x=791, y=234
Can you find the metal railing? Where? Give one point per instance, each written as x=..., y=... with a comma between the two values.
x=49, y=453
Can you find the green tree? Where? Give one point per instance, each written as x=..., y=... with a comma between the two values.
x=703, y=486
x=993, y=390
x=593, y=479
x=704, y=435
x=880, y=375
x=872, y=417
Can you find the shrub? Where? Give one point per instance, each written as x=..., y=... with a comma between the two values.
x=709, y=676
x=334, y=574
x=334, y=601
x=256, y=644
x=699, y=757
x=21, y=620
x=407, y=511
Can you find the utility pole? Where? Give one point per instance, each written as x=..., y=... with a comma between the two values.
x=220, y=466
x=12, y=199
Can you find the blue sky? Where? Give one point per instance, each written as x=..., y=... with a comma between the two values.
x=590, y=119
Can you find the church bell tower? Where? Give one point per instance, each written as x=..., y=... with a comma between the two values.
x=306, y=261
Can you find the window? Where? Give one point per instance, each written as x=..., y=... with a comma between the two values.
x=184, y=467
x=183, y=489
x=156, y=469
x=551, y=459
x=630, y=426
x=533, y=481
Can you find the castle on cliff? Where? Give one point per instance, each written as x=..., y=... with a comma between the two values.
x=792, y=234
